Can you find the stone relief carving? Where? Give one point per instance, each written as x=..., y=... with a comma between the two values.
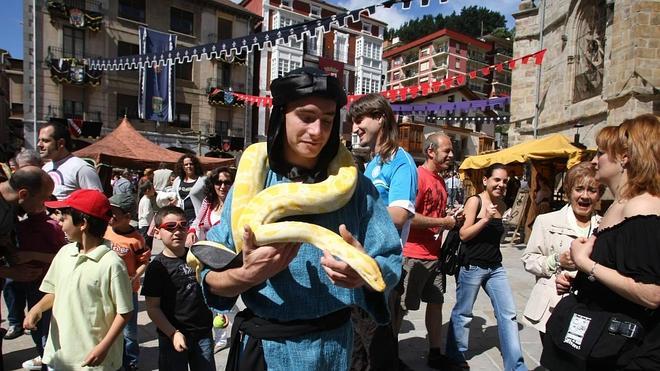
x=590, y=45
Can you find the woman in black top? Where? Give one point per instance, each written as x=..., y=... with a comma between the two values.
x=619, y=268
x=482, y=267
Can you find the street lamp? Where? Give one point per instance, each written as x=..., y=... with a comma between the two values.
x=576, y=137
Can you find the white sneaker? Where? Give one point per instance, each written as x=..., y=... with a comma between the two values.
x=32, y=364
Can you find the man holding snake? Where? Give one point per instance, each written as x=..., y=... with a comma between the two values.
x=298, y=297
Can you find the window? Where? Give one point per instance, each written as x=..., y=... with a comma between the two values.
x=287, y=3
x=315, y=43
x=16, y=108
x=424, y=66
x=282, y=21
x=341, y=47
x=72, y=109
x=366, y=28
x=132, y=9
x=127, y=105
x=183, y=71
x=74, y=43
x=224, y=29
x=182, y=115
x=181, y=21
x=224, y=74
x=222, y=128
x=315, y=11
x=286, y=65
x=425, y=52
x=125, y=49
x=368, y=83
x=458, y=63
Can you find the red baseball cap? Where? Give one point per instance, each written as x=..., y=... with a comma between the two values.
x=88, y=201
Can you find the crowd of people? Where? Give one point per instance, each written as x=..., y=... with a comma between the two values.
x=74, y=258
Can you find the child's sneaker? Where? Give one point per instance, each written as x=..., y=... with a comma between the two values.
x=32, y=364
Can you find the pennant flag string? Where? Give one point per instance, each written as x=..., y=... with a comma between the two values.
x=401, y=94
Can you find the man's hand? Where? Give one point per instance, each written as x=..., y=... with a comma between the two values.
x=339, y=272
x=459, y=214
x=33, y=316
x=263, y=262
x=179, y=341
x=96, y=356
x=563, y=283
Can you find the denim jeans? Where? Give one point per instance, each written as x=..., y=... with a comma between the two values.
x=199, y=354
x=496, y=284
x=15, y=298
x=131, y=342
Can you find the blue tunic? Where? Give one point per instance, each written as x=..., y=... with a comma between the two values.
x=304, y=291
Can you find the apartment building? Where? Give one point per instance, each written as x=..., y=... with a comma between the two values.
x=11, y=105
x=352, y=53
x=446, y=53
x=68, y=31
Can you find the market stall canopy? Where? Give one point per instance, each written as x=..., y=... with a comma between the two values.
x=126, y=147
x=550, y=147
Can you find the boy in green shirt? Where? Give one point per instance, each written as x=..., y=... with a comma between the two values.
x=87, y=288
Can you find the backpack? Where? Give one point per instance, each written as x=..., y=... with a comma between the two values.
x=451, y=255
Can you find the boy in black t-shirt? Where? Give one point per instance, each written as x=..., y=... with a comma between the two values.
x=174, y=299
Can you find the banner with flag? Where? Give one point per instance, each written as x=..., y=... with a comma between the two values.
x=156, y=100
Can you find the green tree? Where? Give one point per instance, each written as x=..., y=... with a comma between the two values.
x=475, y=21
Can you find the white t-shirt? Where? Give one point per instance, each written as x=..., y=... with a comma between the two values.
x=146, y=212
x=72, y=173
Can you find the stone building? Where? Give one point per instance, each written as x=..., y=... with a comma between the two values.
x=68, y=31
x=600, y=68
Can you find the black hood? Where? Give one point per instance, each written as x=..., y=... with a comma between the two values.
x=297, y=84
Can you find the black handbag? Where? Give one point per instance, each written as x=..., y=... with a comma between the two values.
x=587, y=335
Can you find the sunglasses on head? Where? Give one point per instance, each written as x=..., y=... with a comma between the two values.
x=174, y=226
x=223, y=182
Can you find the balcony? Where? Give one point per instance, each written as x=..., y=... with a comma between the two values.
x=78, y=13
x=220, y=94
x=70, y=68
x=58, y=112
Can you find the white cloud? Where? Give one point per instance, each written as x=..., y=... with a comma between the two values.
x=393, y=17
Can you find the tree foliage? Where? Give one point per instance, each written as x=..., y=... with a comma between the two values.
x=470, y=22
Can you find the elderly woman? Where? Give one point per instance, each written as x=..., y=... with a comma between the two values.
x=611, y=318
x=547, y=251
x=189, y=185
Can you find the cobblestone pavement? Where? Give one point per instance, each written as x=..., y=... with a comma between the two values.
x=484, y=352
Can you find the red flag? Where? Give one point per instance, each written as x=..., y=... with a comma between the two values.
x=499, y=67
x=75, y=126
x=538, y=57
x=413, y=92
x=473, y=74
x=512, y=64
x=485, y=71
x=460, y=80
x=525, y=59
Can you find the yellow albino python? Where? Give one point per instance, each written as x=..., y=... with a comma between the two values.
x=261, y=208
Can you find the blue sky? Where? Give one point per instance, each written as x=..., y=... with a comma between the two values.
x=11, y=17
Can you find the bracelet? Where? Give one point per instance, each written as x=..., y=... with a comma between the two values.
x=591, y=277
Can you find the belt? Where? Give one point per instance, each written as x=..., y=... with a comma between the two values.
x=631, y=330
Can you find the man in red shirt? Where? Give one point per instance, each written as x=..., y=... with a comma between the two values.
x=423, y=279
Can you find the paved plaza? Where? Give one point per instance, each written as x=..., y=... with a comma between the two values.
x=485, y=354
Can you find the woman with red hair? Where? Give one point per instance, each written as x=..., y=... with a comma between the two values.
x=611, y=319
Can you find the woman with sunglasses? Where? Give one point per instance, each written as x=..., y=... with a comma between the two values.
x=618, y=280
x=217, y=186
